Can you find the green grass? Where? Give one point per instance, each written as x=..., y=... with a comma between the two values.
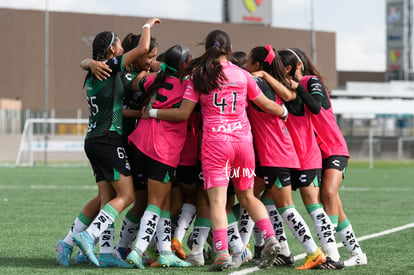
x=38, y=205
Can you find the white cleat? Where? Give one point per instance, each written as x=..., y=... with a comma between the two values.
x=356, y=259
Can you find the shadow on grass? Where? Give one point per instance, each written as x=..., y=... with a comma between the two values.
x=37, y=263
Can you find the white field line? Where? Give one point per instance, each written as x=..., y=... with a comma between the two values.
x=363, y=238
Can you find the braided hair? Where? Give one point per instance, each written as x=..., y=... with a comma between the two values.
x=100, y=48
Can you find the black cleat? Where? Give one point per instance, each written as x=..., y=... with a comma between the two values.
x=282, y=260
x=331, y=264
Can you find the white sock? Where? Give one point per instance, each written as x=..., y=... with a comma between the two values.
x=147, y=228
x=324, y=230
x=79, y=225
x=277, y=223
x=163, y=236
x=299, y=228
x=246, y=225
x=201, y=229
x=106, y=241
x=234, y=238
x=129, y=230
x=184, y=221
x=102, y=221
x=347, y=236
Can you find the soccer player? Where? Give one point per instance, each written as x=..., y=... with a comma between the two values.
x=157, y=147
x=227, y=148
x=276, y=157
x=103, y=142
x=332, y=144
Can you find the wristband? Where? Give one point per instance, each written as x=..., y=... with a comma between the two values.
x=153, y=113
x=285, y=112
x=146, y=25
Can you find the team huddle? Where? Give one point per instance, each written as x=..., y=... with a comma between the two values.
x=176, y=139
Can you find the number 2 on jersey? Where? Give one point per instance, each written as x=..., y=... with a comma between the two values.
x=222, y=104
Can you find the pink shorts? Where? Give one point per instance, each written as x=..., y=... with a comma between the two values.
x=223, y=161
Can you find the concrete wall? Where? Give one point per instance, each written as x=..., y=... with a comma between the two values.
x=23, y=36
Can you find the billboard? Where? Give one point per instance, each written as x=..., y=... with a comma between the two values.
x=248, y=11
x=398, y=37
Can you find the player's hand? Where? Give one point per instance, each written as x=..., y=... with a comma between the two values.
x=153, y=21
x=100, y=69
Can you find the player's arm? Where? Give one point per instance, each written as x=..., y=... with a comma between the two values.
x=143, y=45
x=270, y=106
x=99, y=68
x=172, y=114
x=282, y=91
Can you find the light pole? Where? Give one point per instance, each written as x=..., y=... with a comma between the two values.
x=46, y=78
x=313, y=33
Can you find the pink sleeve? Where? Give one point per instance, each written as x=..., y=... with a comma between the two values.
x=190, y=93
x=253, y=91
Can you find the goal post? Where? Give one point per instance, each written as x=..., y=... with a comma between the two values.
x=64, y=136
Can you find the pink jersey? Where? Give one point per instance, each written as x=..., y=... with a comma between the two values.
x=273, y=144
x=190, y=154
x=224, y=110
x=303, y=136
x=162, y=140
x=329, y=136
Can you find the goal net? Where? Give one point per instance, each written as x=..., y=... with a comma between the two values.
x=63, y=141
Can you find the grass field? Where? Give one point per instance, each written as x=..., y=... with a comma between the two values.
x=38, y=205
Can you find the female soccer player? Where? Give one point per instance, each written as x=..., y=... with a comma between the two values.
x=103, y=141
x=157, y=147
x=227, y=149
x=332, y=144
x=276, y=156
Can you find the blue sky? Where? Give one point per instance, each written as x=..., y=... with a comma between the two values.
x=359, y=24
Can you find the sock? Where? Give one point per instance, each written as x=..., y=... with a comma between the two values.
x=184, y=221
x=102, y=221
x=233, y=234
x=334, y=221
x=324, y=230
x=163, y=236
x=299, y=228
x=129, y=229
x=106, y=240
x=347, y=236
x=220, y=239
x=246, y=225
x=258, y=239
x=277, y=223
x=265, y=228
x=79, y=224
x=201, y=229
x=147, y=228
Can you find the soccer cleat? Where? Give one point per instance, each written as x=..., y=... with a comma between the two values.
x=257, y=253
x=135, y=259
x=330, y=264
x=282, y=260
x=222, y=262
x=195, y=259
x=80, y=258
x=87, y=245
x=171, y=260
x=123, y=251
x=64, y=252
x=208, y=255
x=177, y=248
x=356, y=259
x=241, y=257
x=313, y=260
x=155, y=263
x=111, y=260
x=269, y=253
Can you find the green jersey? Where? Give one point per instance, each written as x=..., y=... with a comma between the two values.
x=105, y=101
